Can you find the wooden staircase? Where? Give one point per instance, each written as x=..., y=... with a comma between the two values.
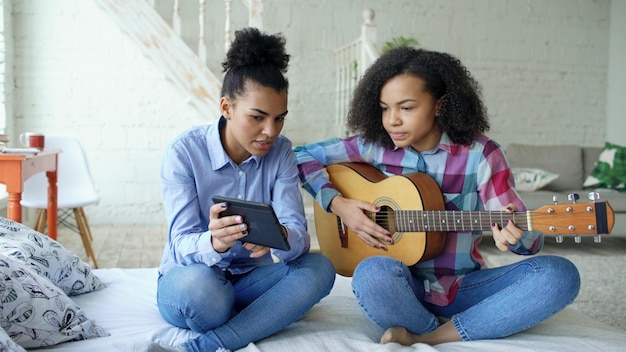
x=187, y=68
x=163, y=44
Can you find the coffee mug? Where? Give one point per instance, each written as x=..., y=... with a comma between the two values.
x=32, y=140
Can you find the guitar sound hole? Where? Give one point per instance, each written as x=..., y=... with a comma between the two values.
x=384, y=218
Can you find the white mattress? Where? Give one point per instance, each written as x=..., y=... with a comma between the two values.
x=127, y=309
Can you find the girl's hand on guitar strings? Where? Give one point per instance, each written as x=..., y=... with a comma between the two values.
x=352, y=213
x=510, y=234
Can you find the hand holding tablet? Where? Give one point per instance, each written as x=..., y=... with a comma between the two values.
x=263, y=226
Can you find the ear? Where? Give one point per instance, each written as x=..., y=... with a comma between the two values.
x=438, y=105
x=225, y=107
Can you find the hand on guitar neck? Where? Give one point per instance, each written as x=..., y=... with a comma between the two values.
x=507, y=235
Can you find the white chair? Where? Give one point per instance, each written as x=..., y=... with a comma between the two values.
x=75, y=189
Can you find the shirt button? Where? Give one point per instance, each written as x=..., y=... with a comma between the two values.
x=240, y=173
x=239, y=196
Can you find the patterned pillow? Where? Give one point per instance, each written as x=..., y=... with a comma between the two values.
x=529, y=180
x=610, y=170
x=8, y=345
x=36, y=313
x=48, y=258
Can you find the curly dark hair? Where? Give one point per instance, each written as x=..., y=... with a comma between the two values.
x=462, y=115
x=256, y=56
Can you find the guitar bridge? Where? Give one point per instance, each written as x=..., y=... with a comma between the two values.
x=342, y=230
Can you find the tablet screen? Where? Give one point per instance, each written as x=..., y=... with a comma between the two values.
x=263, y=226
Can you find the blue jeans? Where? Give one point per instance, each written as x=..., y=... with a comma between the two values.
x=489, y=303
x=230, y=311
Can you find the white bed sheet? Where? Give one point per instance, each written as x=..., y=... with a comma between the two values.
x=127, y=309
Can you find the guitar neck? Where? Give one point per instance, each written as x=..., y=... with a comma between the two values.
x=452, y=220
x=413, y=203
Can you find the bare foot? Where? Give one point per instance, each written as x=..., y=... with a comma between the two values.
x=444, y=333
x=400, y=335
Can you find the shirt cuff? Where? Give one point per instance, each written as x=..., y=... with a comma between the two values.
x=205, y=245
x=530, y=243
x=325, y=196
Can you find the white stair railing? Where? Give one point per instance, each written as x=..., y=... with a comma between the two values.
x=202, y=54
x=176, y=19
x=255, y=18
x=351, y=62
x=167, y=50
x=162, y=42
x=369, y=53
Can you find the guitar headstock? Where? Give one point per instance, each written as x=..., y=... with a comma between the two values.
x=590, y=218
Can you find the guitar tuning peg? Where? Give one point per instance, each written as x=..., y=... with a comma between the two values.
x=597, y=239
x=594, y=196
x=573, y=197
x=559, y=239
x=577, y=239
x=555, y=199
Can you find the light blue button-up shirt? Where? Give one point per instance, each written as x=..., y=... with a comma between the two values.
x=195, y=168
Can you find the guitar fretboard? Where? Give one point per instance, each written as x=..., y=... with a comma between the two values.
x=451, y=220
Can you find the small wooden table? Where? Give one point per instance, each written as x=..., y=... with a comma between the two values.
x=17, y=168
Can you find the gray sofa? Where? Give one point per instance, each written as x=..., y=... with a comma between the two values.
x=573, y=164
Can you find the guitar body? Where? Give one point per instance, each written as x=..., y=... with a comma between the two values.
x=361, y=181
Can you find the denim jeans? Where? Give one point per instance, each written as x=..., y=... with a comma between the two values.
x=489, y=303
x=230, y=311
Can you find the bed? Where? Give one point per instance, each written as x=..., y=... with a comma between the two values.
x=119, y=307
x=127, y=309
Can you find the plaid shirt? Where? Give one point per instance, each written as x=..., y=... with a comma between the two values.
x=472, y=178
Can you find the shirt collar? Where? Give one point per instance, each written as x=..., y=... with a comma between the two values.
x=216, y=151
x=449, y=146
x=445, y=144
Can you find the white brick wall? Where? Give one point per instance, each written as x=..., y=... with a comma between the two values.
x=6, y=63
x=616, y=97
x=543, y=66
x=77, y=73
x=542, y=63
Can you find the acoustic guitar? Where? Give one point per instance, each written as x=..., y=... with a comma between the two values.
x=412, y=209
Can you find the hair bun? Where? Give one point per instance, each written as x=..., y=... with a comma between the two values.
x=253, y=48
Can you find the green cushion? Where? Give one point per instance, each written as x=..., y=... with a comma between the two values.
x=610, y=170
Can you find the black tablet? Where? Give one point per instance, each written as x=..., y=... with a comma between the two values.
x=263, y=226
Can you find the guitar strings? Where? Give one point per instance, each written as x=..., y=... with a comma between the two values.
x=452, y=220
x=412, y=220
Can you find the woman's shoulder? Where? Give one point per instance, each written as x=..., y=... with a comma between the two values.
x=194, y=131
x=485, y=140
x=196, y=136
x=485, y=144
x=482, y=147
x=336, y=142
